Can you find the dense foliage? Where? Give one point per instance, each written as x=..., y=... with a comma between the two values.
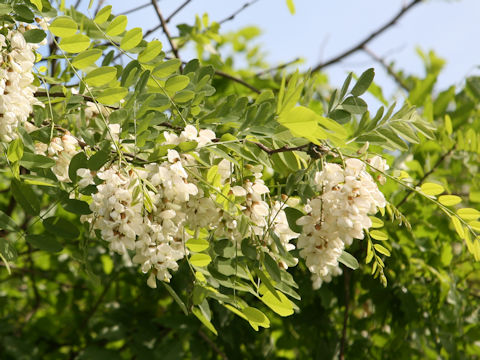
x=157, y=208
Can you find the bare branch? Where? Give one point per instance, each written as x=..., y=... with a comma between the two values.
x=369, y=38
x=165, y=28
x=136, y=9
x=212, y=345
x=428, y=173
x=62, y=95
x=279, y=67
x=77, y=4
x=231, y=17
x=388, y=68
x=238, y=80
x=279, y=150
x=343, y=340
x=177, y=10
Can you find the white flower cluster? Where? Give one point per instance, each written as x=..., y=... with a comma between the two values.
x=62, y=150
x=337, y=216
x=152, y=211
x=16, y=82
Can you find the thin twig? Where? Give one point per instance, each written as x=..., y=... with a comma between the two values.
x=177, y=10
x=152, y=30
x=279, y=150
x=77, y=4
x=238, y=80
x=62, y=95
x=388, y=68
x=343, y=340
x=279, y=67
x=427, y=174
x=165, y=28
x=100, y=299
x=212, y=345
x=136, y=9
x=100, y=3
x=231, y=17
x=369, y=38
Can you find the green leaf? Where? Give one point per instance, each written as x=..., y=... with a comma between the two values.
x=166, y=68
x=152, y=50
x=176, y=83
x=363, y=83
x=272, y=268
x=86, y=58
x=198, y=313
x=103, y=15
x=354, y=105
x=75, y=44
x=291, y=6
x=79, y=161
x=282, y=306
x=376, y=222
x=101, y=76
x=98, y=159
x=468, y=213
x=449, y=200
x=34, y=36
x=15, y=150
x=61, y=227
x=378, y=235
x=131, y=39
x=112, y=95
x=77, y=207
x=405, y=131
x=348, y=260
x=23, y=12
x=5, y=9
x=382, y=250
x=25, y=196
x=7, y=223
x=175, y=297
x=38, y=4
x=458, y=227
x=45, y=242
x=117, y=26
x=303, y=122
x=475, y=225
x=183, y=96
x=432, y=189
x=63, y=26
x=200, y=260
x=256, y=317
x=32, y=161
x=197, y=245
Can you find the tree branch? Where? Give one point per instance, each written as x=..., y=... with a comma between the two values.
x=279, y=150
x=165, y=28
x=62, y=95
x=177, y=10
x=343, y=340
x=212, y=345
x=100, y=299
x=279, y=67
x=369, y=38
x=237, y=80
x=231, y=17
x=136, y=9
x=427, y=174
x=388, y=68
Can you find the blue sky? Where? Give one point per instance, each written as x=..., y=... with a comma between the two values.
x=321, y=29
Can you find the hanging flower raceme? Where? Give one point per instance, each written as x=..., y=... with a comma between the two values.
x=16, y=82
x=152, y=211
x=337, y=216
